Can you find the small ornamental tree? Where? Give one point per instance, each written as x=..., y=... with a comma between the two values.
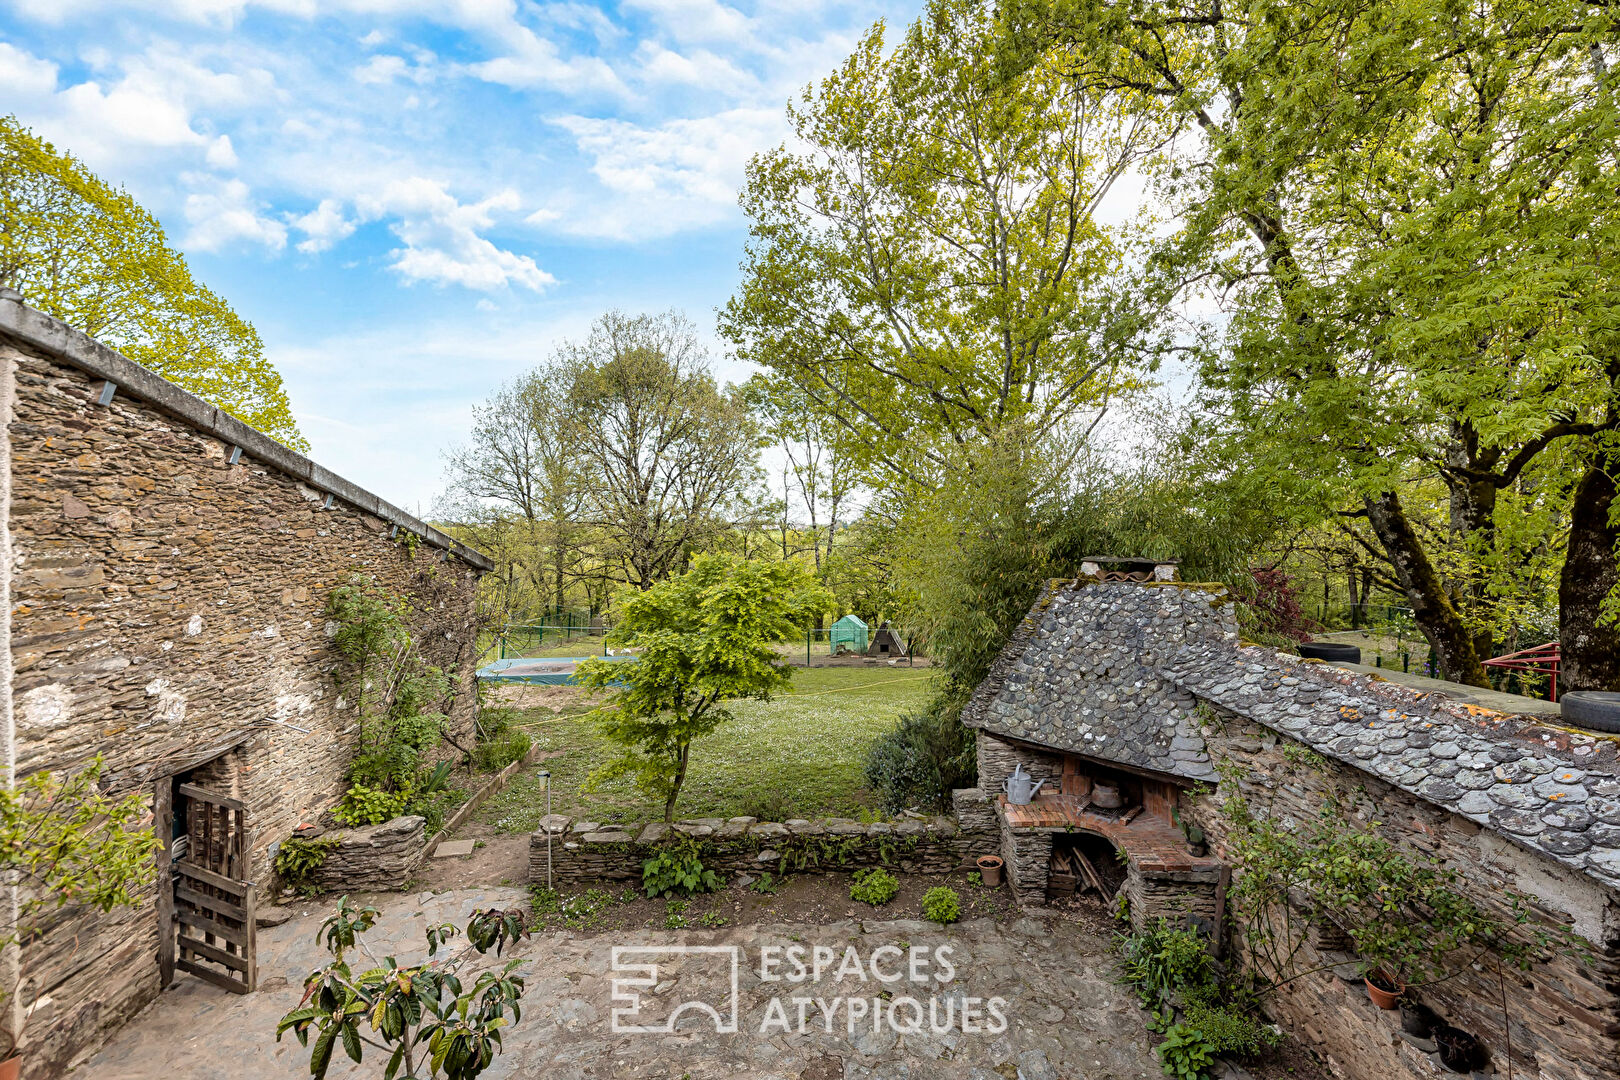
x=64, y=841
x=421, y=1015
x=701, y=639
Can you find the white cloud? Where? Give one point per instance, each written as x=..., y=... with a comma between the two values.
x=534, y=62
x=221, y=154
x=224, y=212
x=24, y=74
x=698, y=20
x=681, y=174
x=442, y=241
x=322, y=227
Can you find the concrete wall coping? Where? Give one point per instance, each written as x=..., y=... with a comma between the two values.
x=79, y=350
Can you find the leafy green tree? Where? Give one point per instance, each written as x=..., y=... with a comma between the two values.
x=63, y=840
x=929, y=268
x=700, y=639
x=661, y=452
x=88, y=254
x=1407, y=208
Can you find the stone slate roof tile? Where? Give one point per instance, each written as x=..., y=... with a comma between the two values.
x=1114, y=671
x=1542, y=787
x=1083, y=674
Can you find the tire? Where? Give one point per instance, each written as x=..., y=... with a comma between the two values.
x=1330, y=650
x=1595, y=710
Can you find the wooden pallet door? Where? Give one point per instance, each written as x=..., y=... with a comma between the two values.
x=213, y=893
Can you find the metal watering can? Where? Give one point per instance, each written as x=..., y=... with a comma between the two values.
x=1020, y=788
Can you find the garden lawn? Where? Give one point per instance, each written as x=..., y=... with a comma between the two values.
x=801, y=754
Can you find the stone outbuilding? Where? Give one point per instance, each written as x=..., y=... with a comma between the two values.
x=1140, y=688
x=168, y=569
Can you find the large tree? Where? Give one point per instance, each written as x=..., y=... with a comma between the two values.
x=926, y=263
x=1409, y=207
x=88, y=254
x=662, y=453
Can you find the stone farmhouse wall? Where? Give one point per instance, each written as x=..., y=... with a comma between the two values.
x=1563, y=1014
x=583, y=852
x=168, y=569
x=1513, y=805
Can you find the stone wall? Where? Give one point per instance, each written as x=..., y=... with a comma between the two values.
x=582, y=852
x=1564, y=1014
x=377, y=858
x=167, y=608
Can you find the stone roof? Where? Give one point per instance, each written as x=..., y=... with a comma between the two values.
x=1545, y=788
x=1082, y=673
x=1114, y=670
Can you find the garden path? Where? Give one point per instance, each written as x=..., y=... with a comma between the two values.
x=1065, y=1015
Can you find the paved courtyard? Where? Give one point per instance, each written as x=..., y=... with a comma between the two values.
x=1060, y=1015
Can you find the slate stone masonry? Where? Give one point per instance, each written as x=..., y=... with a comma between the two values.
x=582, y=852
x=1509, y=803
x=167, y=609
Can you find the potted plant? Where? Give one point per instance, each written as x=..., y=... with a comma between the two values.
x=1384, y=989
x=65, y=841
x=990, y=870
x=1197, y=846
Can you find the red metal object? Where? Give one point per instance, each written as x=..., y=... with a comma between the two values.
x=1543, y=660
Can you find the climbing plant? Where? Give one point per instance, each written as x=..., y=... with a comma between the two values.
x=402, y=700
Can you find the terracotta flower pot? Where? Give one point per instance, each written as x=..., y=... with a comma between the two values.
x=989, y=869
x=1381, y=997
x=10, y=1067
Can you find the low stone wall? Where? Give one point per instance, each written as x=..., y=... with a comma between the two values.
x=585, y=851
x=377, y=858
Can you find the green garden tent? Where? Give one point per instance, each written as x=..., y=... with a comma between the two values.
x=851, y=631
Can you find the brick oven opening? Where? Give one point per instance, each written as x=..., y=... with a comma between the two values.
x=1109, y=831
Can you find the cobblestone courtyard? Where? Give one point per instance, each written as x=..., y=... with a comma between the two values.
x=1065, y=1016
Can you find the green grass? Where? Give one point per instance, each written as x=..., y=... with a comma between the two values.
x=800, y=755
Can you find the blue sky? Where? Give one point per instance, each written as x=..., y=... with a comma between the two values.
x=415, y=200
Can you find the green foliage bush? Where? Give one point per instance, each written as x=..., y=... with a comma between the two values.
x=297, y=859
x=499, y=752
x=875, y=886
x=677, y=868
x=1186, y=1054
x=1162, y=960
x=1230, y=1031
x=942, y=905
x=363, y=805
x=922, y=760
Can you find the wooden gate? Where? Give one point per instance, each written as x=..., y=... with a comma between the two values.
x=213, y=893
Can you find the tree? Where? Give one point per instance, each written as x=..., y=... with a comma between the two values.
x=1407, y=208
x=63, y=840
x=88, y=254
x=816, y=460
x=929, y=269
x=700, y=639
x=515, y=486
x=661, y=451
x=419, y=1014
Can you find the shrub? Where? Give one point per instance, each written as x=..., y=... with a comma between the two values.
x=362, y=805
x=499, y=752
x=1161, y=960
x=941, y=905
x=297, y=859
x=1185, y=1053
x=876, y=887
x=677, y=868
x=921, y=760
x=767, y=885
x=1230, y=1032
